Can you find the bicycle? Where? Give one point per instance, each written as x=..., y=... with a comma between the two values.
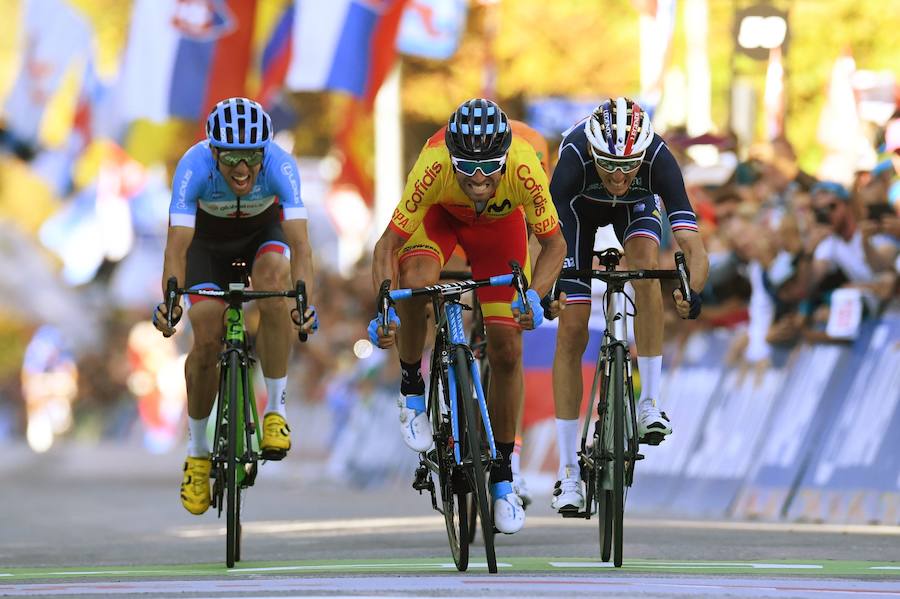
x=607, y=463
x=464, y=447
x=237, y=437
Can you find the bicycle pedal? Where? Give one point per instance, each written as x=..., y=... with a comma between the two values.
x=652, y=438
x=273, y=455
x=638, y=457
x=573, y=514
x=422, y=482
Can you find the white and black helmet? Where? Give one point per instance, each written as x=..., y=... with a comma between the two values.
x=238, y=123
x=619, y=127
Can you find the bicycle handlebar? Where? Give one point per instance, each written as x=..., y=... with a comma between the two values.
x=386, y=295
x=679, y=273
x=234, y=297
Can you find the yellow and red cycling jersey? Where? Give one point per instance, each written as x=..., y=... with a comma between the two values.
x=432, y=182
x=436, y=217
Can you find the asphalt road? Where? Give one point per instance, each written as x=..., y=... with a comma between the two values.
x=95, y=508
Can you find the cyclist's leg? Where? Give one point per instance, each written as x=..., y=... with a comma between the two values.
x=204, y=270
x=420, y=261
x=490, y=247
x=641, y=239
x=270, y=271
x=579, y=222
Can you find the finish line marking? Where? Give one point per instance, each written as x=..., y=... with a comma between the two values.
x=362, y=566
x=695, y=565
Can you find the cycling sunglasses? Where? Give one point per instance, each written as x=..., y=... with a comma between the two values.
x=611, y=165
x=235, y=157
x=487, y=167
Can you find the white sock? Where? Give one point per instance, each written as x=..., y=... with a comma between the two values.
x=514, y=458
x=198, y=444
x=650, y=368
x=567, y=441
x=275, y=388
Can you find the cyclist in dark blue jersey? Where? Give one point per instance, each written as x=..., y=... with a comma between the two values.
x=235, y=198
x=613, y=169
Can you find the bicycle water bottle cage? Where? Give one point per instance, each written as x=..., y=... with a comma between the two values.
x=610, y=258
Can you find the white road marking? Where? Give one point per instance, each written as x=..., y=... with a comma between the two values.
x=434, y=523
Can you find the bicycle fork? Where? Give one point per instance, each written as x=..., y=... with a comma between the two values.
x=453, y=314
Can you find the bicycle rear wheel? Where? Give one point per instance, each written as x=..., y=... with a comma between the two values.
x=473, y=446
x=618, y=413
x=233, y=405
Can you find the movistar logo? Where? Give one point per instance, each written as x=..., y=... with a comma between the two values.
x=506, y=205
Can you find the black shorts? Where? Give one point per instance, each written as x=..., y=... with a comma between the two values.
x=581, y=218
x=209, y=260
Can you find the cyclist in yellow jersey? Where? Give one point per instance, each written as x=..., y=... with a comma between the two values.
x=478, y=185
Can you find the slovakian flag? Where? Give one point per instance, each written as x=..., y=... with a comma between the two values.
x=185, y=55
x=345, y=45
x=432, y=28
x=55, y=34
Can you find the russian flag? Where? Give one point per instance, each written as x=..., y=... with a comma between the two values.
x=276, y=57
x=185, y=55
x=346, y=45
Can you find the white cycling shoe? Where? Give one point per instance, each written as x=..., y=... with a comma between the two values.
x=653, y=425
x=568, y=494
x=414, y=424
x=509, y=513
x=520, y=488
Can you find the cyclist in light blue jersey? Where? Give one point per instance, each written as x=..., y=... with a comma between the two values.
x=235, y=199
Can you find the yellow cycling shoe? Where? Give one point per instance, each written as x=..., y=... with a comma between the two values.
x=276, y=440
x=195, y=485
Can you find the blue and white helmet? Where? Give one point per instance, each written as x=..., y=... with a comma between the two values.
x=238, y=123
x=619, y=127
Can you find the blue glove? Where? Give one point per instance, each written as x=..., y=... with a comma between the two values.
x=696, y=305
x=315, y=317
x=377, y=322
x=534, y=302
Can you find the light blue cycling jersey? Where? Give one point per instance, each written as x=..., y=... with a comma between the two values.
x=202, y=199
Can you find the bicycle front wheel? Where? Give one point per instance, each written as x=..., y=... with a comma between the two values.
x=475, y=452
x=617, y=379
x=453, y=503
x=233, y=405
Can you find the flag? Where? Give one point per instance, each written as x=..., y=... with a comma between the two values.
x=183, y=56
x=276, y=57
x=55, y=36
x=432, y=28
x=346, y=45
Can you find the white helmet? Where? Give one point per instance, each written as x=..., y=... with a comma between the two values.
x=619, y=128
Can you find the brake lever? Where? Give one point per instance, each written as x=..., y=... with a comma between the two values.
x=301, y=308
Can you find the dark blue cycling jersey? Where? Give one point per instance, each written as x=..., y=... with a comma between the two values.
x=659, y=175
x=202, y=199
x=584, y=204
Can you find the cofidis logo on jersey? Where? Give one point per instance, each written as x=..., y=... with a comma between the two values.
x=422, y=185
x=536, y=191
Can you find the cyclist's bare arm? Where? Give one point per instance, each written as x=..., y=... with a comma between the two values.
x=384, y=259
x=296, y=234
x=697, y=260
x=549, y=262
x=175, y=260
